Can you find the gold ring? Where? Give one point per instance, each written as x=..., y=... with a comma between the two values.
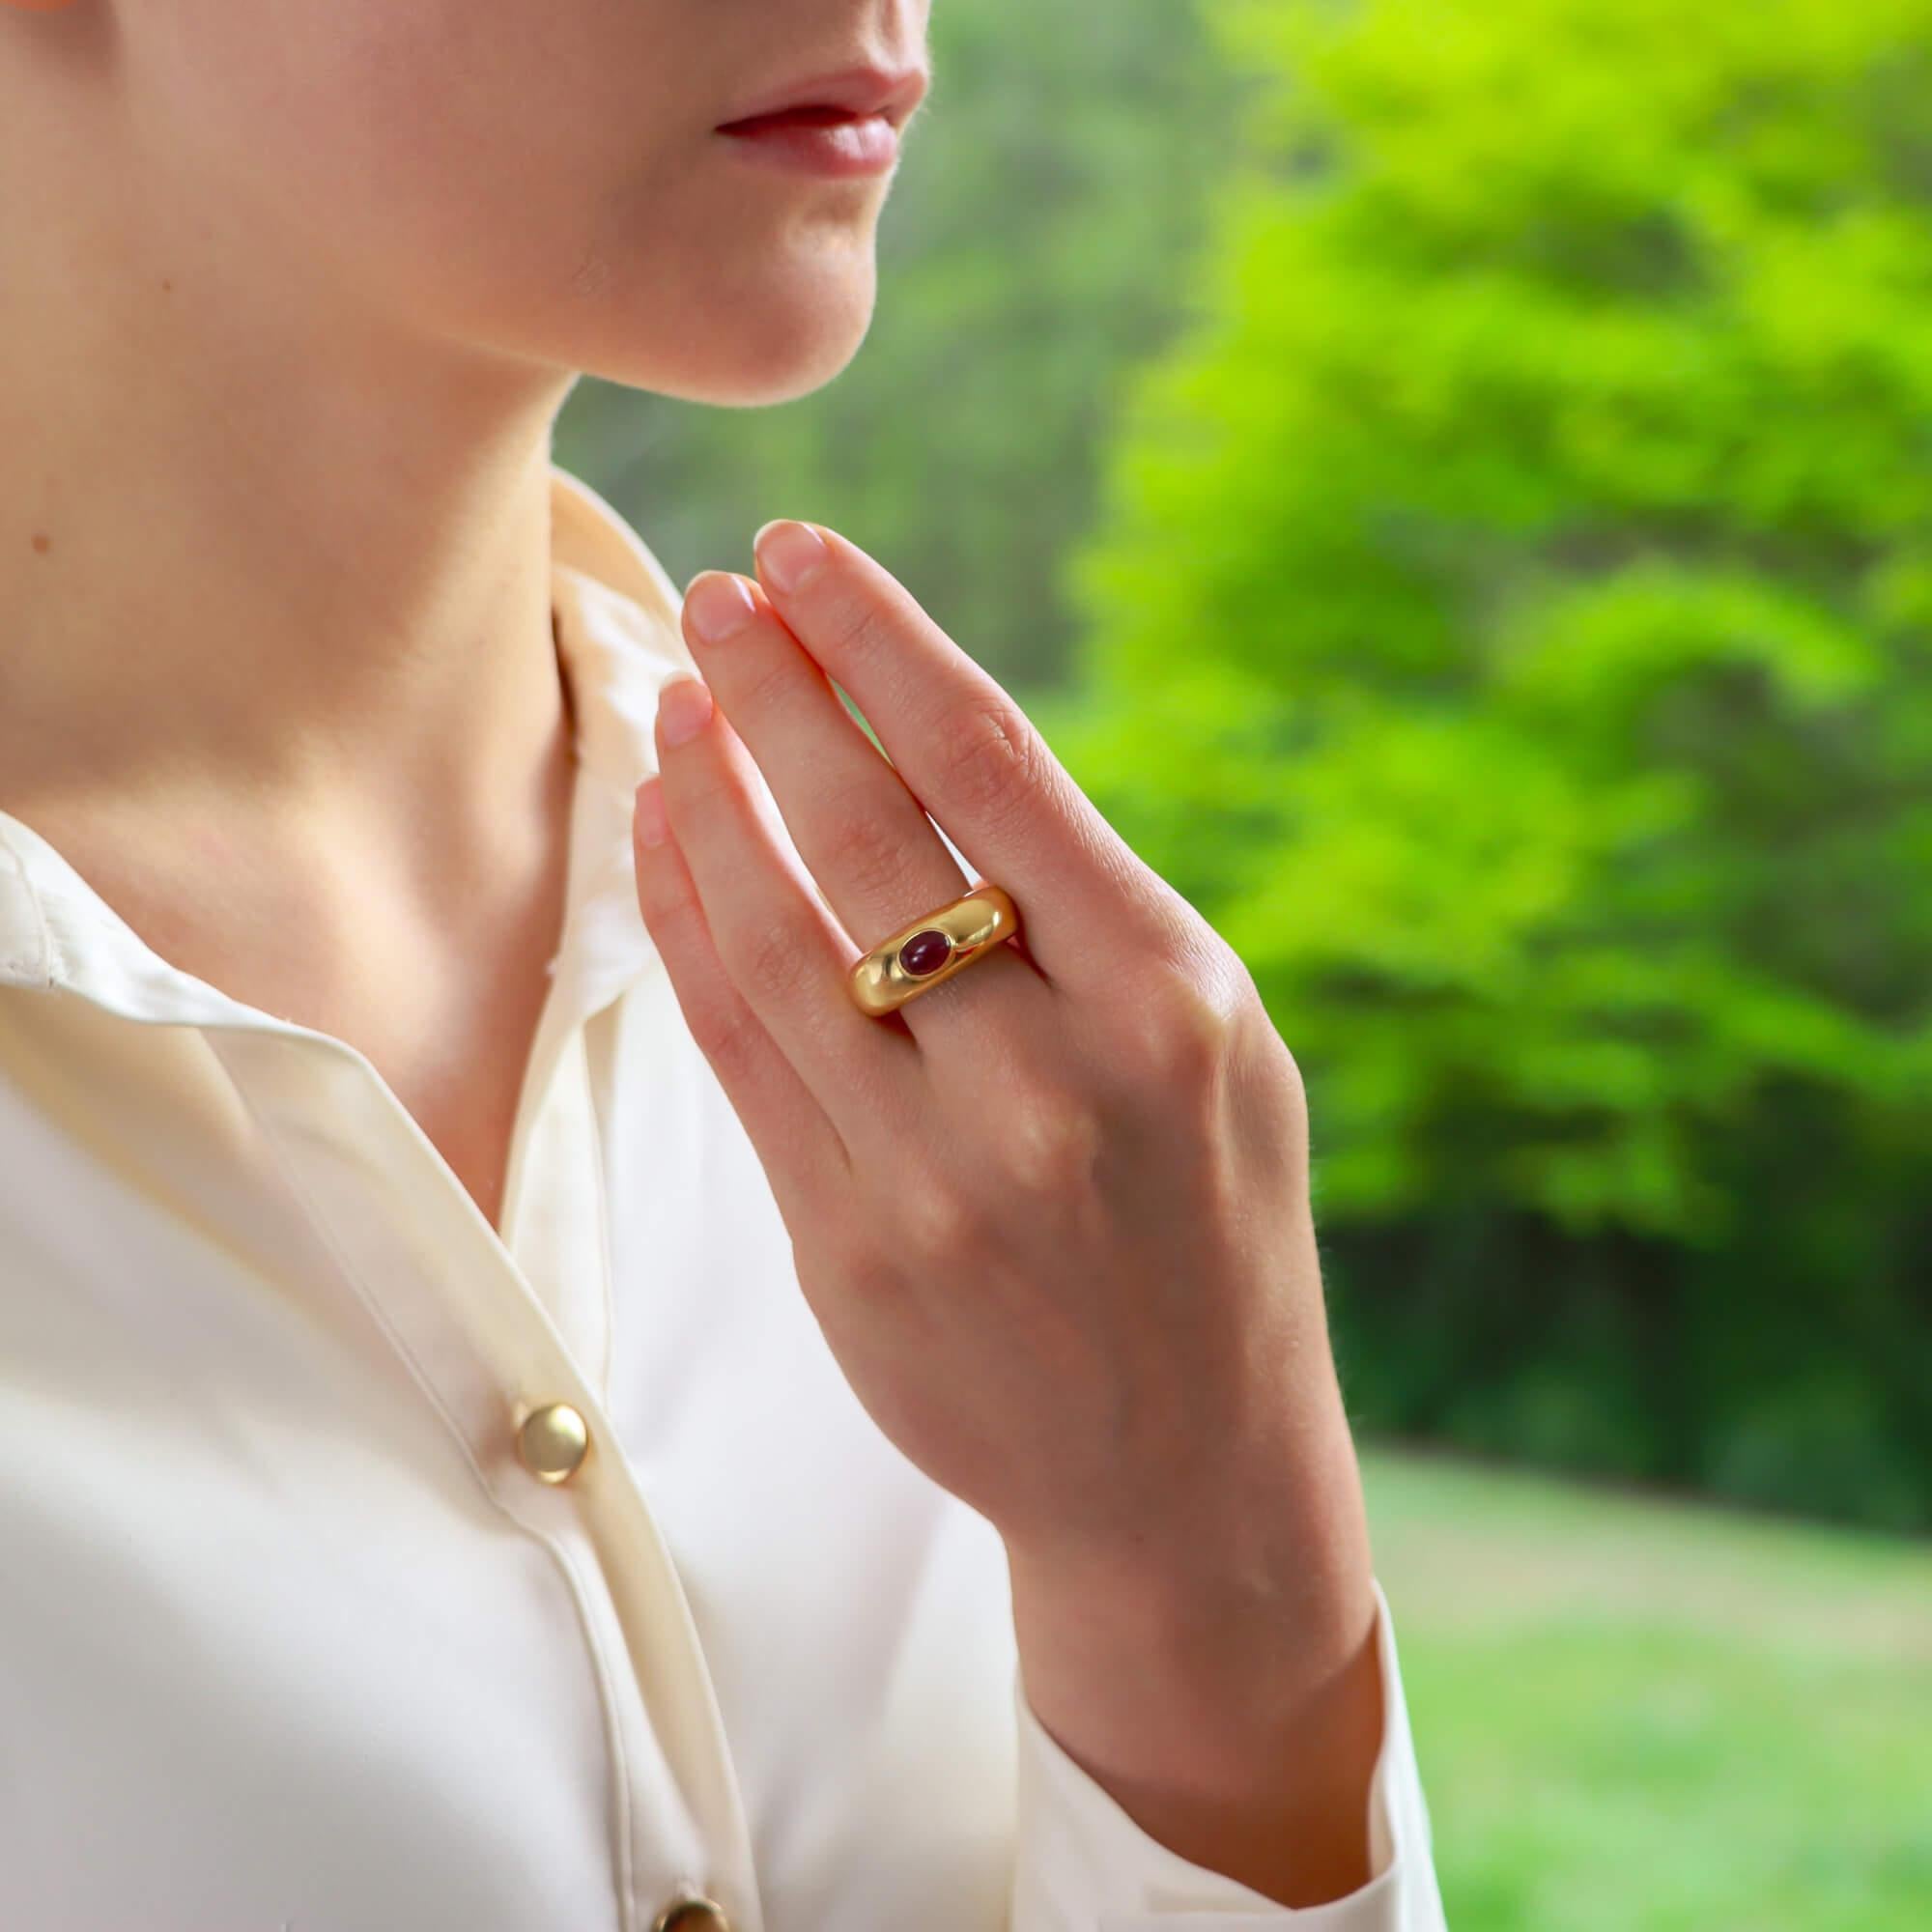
x=920, y=955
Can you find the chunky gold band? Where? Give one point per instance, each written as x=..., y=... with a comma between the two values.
x=932, y=948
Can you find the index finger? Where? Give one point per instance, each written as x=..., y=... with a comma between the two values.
x=969, y=755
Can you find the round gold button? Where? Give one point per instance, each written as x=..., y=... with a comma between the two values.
x=692, y=1915
x=551, y=1441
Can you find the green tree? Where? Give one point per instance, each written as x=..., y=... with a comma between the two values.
x=1511, y=624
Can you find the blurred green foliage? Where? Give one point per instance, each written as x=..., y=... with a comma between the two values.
x=1454, y=485
x=1631, y=1714
x=1511, y=622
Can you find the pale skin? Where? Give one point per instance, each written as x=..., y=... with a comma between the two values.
x=286, y=335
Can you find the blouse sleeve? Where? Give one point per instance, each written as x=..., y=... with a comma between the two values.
x=1084, y=1865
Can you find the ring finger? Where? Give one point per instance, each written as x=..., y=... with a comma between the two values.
x=774, y=935
x=867, y=839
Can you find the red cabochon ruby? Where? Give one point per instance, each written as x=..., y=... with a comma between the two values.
x=924, y=952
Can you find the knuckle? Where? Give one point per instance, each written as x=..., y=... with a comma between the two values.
x=702, y=791
x=1190, y=1022
x=770, y=688
x=665, y=897
x=989, y=757
x=1050, y=1141
x=937, y=1223
x=727, y=1035
x=862, y=1268
x=1296, y=1088
x=774, y=962
x=866, y=844
x=856, y=630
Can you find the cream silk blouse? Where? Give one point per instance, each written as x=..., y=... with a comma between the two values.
x=363, y=1570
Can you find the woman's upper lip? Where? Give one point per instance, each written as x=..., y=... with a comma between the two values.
x=859, y=90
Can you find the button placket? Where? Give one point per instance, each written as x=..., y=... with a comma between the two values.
x=554, y=1210
x=442, y=1285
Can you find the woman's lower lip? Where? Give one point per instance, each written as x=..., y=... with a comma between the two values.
x=863, y=145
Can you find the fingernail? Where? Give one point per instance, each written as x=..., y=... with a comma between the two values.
x=684, y=707
x=788, y=553
x=719, y=605
x=652, y=825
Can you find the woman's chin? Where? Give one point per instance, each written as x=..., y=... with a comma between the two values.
x=776, y=353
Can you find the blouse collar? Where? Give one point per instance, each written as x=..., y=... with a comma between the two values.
x=620, y=637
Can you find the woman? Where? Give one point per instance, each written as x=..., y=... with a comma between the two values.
x=556, y=1370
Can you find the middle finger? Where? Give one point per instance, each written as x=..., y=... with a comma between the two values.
x=867, y=839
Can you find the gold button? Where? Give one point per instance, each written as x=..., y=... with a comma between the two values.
x=692, y=1915
x=551, y=1441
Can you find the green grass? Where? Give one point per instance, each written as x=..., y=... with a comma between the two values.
x=1636, y=1714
